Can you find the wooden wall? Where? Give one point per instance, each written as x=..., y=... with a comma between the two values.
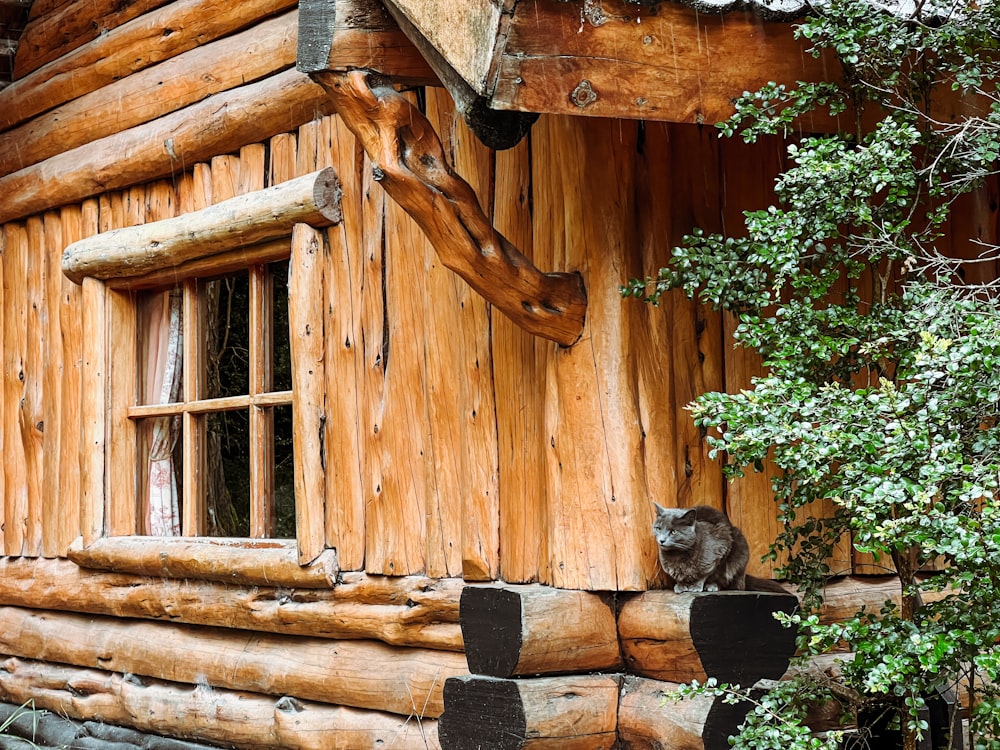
x=457, y=445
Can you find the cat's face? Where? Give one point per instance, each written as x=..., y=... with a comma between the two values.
x=674, y=528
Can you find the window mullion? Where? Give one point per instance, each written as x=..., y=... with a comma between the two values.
x=263, y=515
x=193, y=521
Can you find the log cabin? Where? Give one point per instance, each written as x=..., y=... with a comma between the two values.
x=323, y=422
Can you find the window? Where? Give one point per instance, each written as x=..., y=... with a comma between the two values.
x=213, y=408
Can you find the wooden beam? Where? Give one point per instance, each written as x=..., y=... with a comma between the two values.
x=575, y=712
x=407, y=611
x=217, y=125
x=515, y=631
x=144, y=41
x=341, y=35
x=664, y=62
x=258, y=562
x=243, y=220
x=227, y=717
x=729, y=635
x=348, y=673
x=410, y=165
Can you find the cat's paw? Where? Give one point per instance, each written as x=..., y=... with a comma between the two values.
x=687, y=588
x=711, y=587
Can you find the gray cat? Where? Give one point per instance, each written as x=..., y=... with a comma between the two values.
x=700, y=549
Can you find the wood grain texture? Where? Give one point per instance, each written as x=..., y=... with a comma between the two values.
x=310, y=256
x=350, y=673
x=53, y=378
x=32, y=409
x=412, y=169
x=15, y=322
x=409, y=611
x=244, y=720
x=144, y=41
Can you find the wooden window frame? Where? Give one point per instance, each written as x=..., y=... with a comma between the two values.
x=250, y=230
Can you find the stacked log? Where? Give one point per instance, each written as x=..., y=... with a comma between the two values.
x=558, y=668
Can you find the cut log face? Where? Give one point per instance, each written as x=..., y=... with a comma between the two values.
x=729, y=635
x=524, y=630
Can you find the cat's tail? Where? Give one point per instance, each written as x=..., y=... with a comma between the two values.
x=753, y=583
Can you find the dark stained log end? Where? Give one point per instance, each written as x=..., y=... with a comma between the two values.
x=491, y=630
x=316, y=25
x=722, y=722
x=481, y=712
x=737, y=637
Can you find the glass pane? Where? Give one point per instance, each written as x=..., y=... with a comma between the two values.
x=282, y=373
x=227, y=342
x=284, y=481
x=227, y=492
x=160, y=347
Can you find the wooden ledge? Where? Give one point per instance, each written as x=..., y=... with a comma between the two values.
x=244, y=220
x=409, y=162
x=263, y=562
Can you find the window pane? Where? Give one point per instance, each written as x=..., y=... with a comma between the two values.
x=284, y=482
x=282, y=373
x=227, y=493
x=160, y=474
x=227, y=350
x=160, y=347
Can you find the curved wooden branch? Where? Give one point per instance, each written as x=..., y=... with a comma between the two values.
x=409, y=163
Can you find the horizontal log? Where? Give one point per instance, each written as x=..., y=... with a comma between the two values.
x=729, y=635
x=348, y=673
x=416, y=611
x=410, y=164
x=246, y=219
x=197, y=712
x=573, y=712
x=251, y=55
x=349, y=34
x=217, y=125
x=153, y=37
x=515, y=631
x=649, y=718
x=253, y=563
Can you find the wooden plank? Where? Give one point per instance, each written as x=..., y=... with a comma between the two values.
x=219, y=124
x=144, y=41
x=246, y=219
x=597, y=490
x=122, y=492
x=348, y=34
x=226, y=717
x=179, y=82
x=51, y=36
x=71, y=303
x=667, y=62
x=53, y=379
x=461, y=406
x=15, y=262
x=32, y=417
x=310, y=255
x=3, y=391
x=519, y=363
x=410, y=611
x=234, y=660
x=345, y=371
x=575, y=712
x=93, y=395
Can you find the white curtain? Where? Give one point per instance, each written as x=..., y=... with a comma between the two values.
x=163, y=379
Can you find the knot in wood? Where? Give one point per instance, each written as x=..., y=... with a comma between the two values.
x=583, y=95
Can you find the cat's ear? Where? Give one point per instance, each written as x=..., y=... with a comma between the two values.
x=660, y=510
x=688, y=517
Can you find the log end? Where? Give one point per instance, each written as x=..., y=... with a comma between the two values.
x=482, y=712
x=491, y=630
x=327, y=194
